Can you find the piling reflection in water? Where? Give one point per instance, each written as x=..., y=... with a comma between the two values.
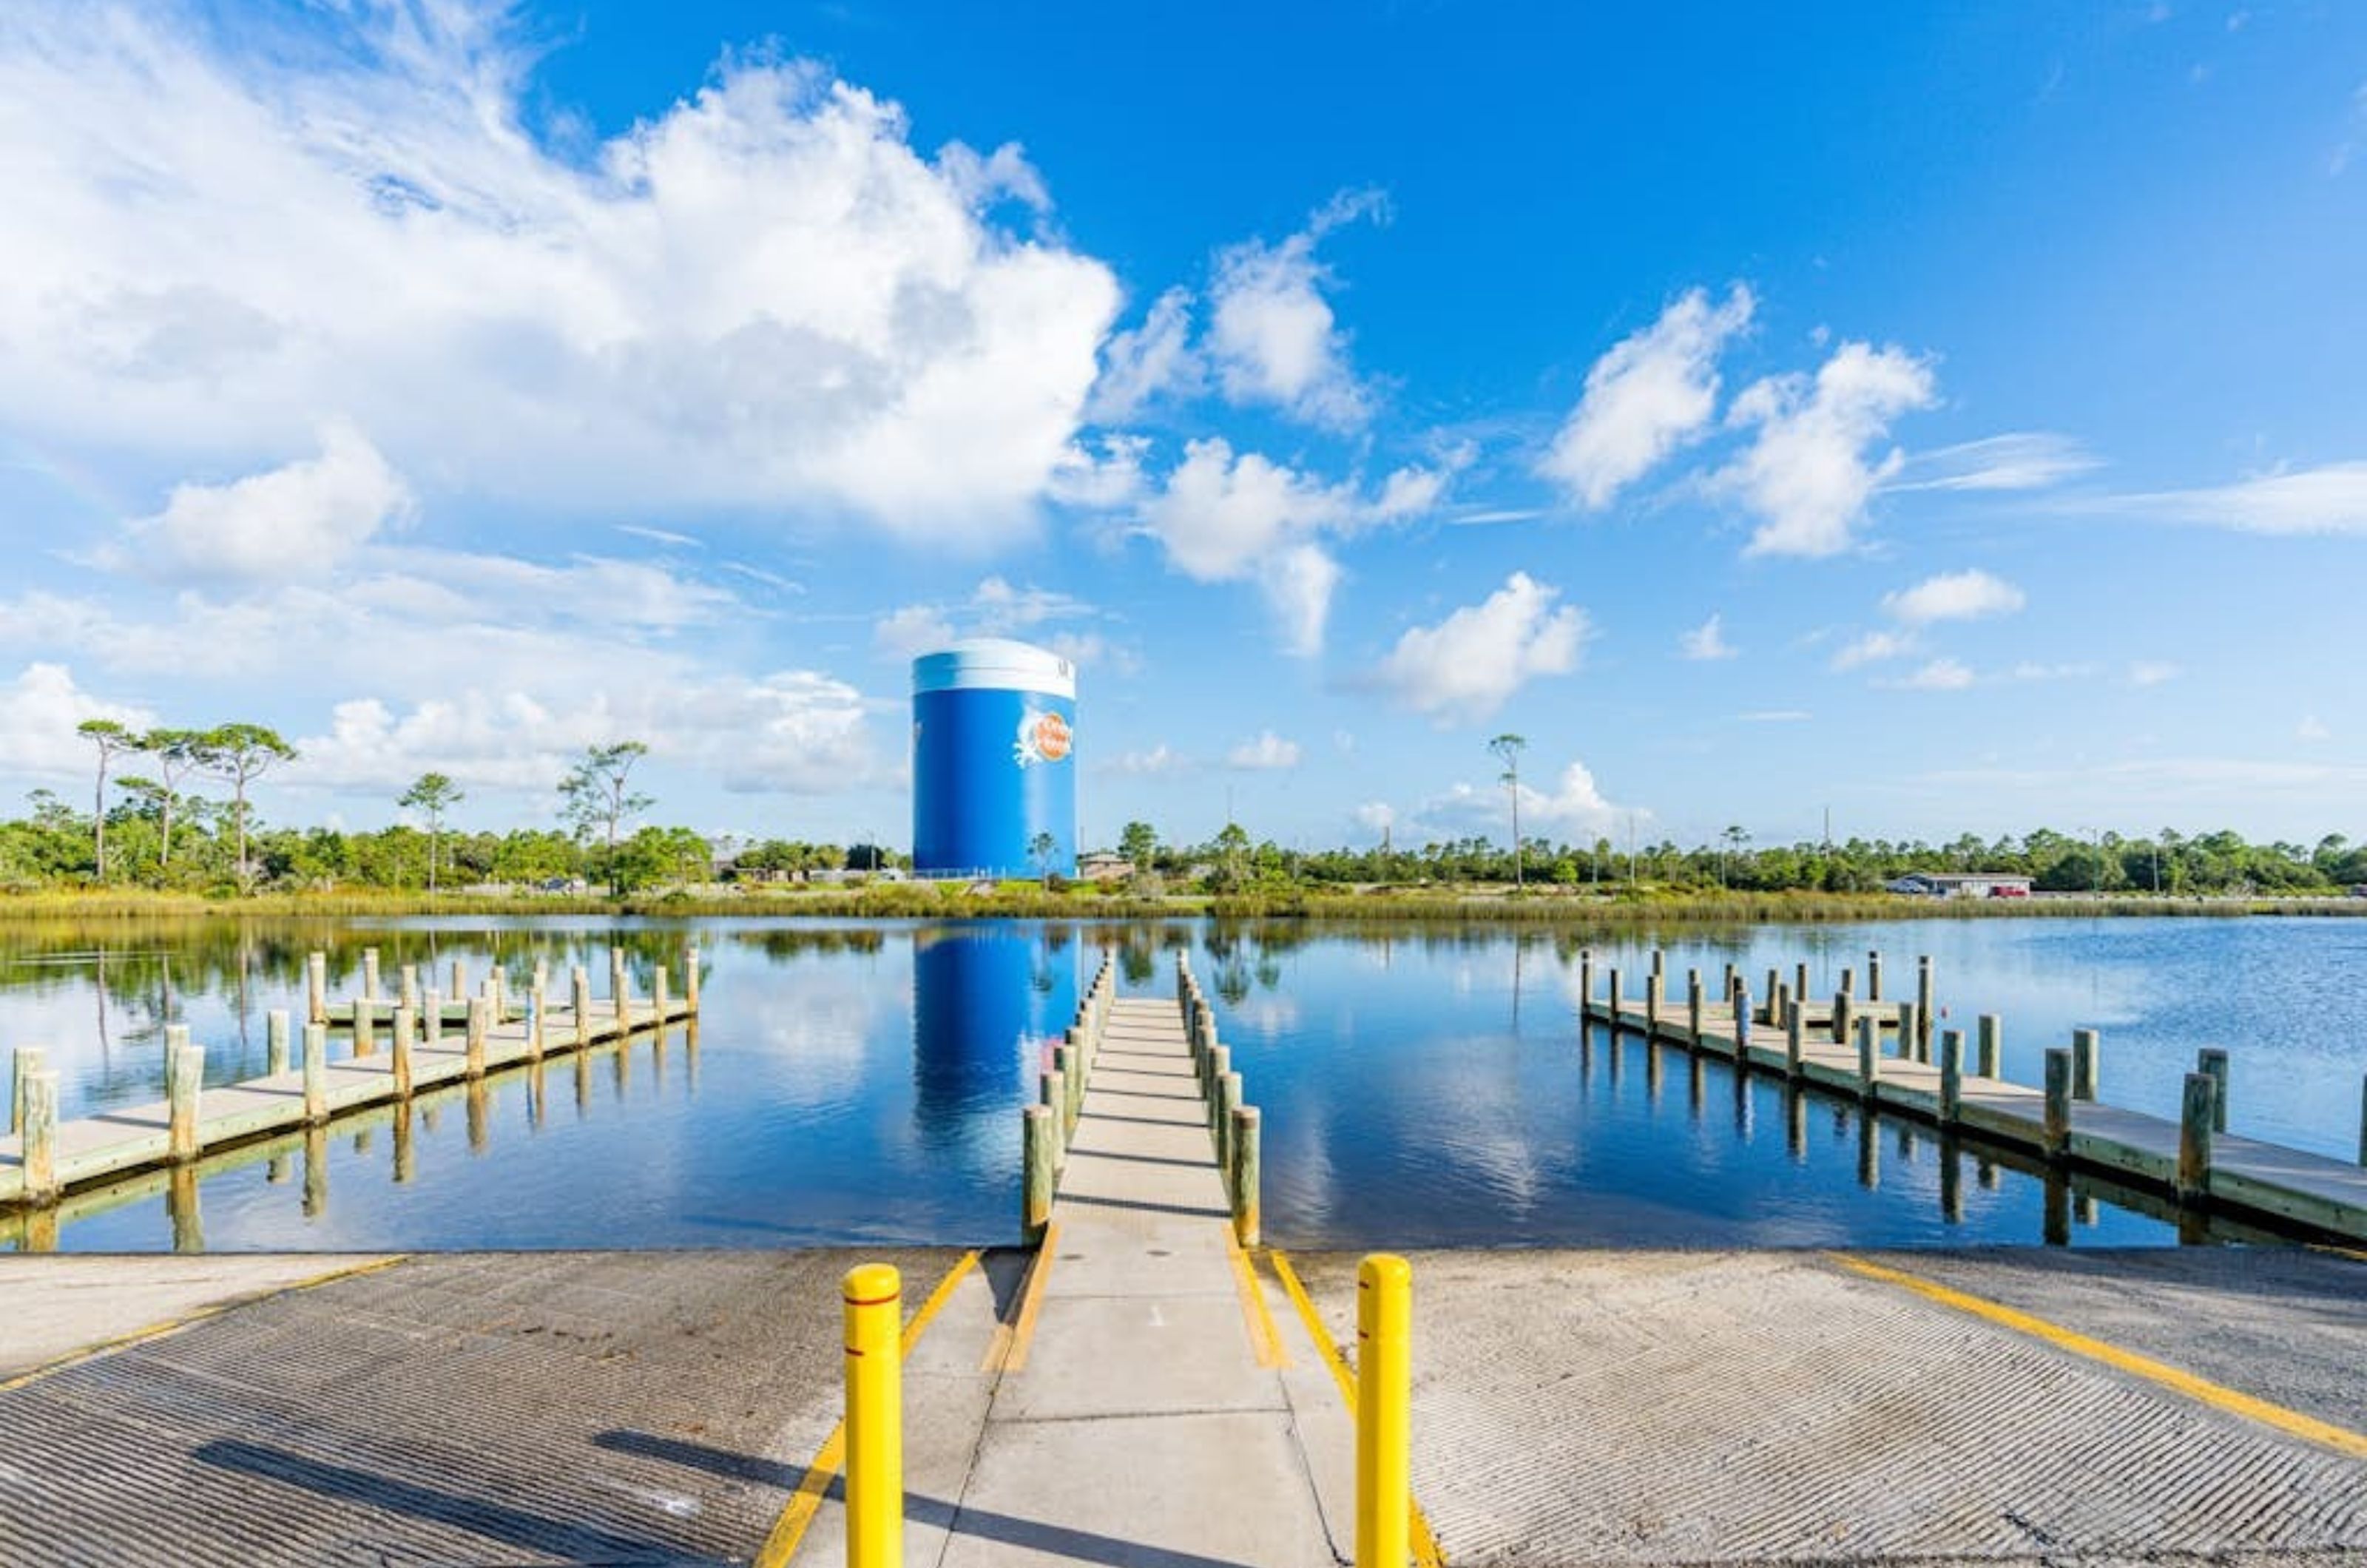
x=988, y=1001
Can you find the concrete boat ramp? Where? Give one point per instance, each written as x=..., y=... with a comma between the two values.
x=1142, y=1390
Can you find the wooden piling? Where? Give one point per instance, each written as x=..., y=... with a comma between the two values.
x=620, y=989
x=189, y=1078
x=1844, y=1014
x=1926, y=1004
x=1246, y=1173
x=1615, y=1024
x=1774, y=995
x=406, y=1024
x=409, y=995
x=1228, y=1099
x=1585, y=983
x=1906, y=1032
x=1738, y=1001
x=1220, y=1062
x=1692, y=1007
x=431, y=1020
x=41, y=1134
x=365, y=1028
x=1795, y=1039
x=579, y=982
x=1659, y=963
x=1780, y=1010
x=1655, y=994
x=2196, y=1118
x=690, y=977
x=1869, y=1056
x=658, y=985
x=1874, y=977
x=2057, y=1126
x=1952, y=1077
x=29, y=1060
x=316, y=1072
x=1036, y=1145
x=1848, y=982
x=316, y=987
x=1800, y=984
x=1064, y=1062
x=481, y=1013
x=1052, y=1094
x=2215, y=1062
x=2084, y=1046
x=370, y=974
x=274, y=1041
x=1991, y=1040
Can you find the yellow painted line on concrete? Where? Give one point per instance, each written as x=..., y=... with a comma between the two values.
x=2352, y=1253
x=781, y=1541
x=1425, y=1545
x=2217, y=1395
x=175, y=1324
x=1263, y=1339
x=1007, y=1351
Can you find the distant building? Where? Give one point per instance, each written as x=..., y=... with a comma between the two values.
x=1101, y=866
x=1960, y=885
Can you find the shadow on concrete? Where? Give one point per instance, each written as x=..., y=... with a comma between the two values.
x=1057, y=1540
x=478, y=1516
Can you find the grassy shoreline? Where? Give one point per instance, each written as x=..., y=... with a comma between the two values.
x=904, y=900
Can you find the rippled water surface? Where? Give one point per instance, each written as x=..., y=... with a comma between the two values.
x=853, y=1083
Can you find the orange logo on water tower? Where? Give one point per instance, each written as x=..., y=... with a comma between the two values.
x=1043, y=738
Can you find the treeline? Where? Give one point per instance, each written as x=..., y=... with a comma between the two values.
x=2174, y=864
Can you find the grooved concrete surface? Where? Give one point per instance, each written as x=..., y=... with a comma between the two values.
x=640, y=1408
x=1641, y=1407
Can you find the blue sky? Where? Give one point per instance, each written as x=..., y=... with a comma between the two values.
x=1949, y=416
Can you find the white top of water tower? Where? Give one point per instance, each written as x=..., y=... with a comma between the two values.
x=995, y=664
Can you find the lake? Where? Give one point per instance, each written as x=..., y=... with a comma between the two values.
x=1421, y=1087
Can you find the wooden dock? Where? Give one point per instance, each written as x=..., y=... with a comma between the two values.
x=1892, y=1062
x=45, y=1160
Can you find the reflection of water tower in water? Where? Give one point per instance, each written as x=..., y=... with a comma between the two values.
x=995, y=778
x=988, y=998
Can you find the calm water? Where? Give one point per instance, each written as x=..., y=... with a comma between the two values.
x=861, y=1082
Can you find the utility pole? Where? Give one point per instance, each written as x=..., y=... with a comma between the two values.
x=1508, y=748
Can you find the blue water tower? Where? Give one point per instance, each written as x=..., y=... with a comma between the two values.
x=993, y=760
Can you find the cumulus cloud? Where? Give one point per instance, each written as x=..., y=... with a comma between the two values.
x=1939, y=675
x=1872, y=647
x=297, y=521
x=1266, y=752
x=1653, y=391
x=763, y=295
x=2328, y=499
x=39, y=712
x=1574, y=808
x=1159, y=759
x=1953, y=596
x=1272, y=336
x=996, y=607
x=911, y=631
x=1468, y=665
x=1223, y=517
x=1810, y=469
x=1146, y=362
x=1376, y=815
x=1707, y=640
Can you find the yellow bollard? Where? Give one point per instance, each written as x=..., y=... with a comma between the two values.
x=875, y=1417
x=1384, y=1413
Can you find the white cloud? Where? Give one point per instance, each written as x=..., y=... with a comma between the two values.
x=2311, y=730
x=761, y=295
x=1872, y=647
x=1160, y=759
x=2328, y=499
x=1146, y=362
x=38, y=711
x=2018, y=460
x=1377, y=817
x=1809, y=473
x=1468, y=665
x=1707, y=640
x=1224, y=518
x=1272, y=333
x=1939, y=675
x=1575, y=807
x=1650, y=393
x=1953, y=596
x=1265, y=753
x=914, y=630
x=1298, y=584
x=2152, y=672
x=297, y=521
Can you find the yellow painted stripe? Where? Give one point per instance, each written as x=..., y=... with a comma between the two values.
x=2217, y=1395
x=781, y=1541
x=1031, y=1303
x=175, y=1324
x=1425, y=1545
x=2350, y=1252
x=1264, y=1340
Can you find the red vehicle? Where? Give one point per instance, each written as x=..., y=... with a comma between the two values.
x=2010, y=891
